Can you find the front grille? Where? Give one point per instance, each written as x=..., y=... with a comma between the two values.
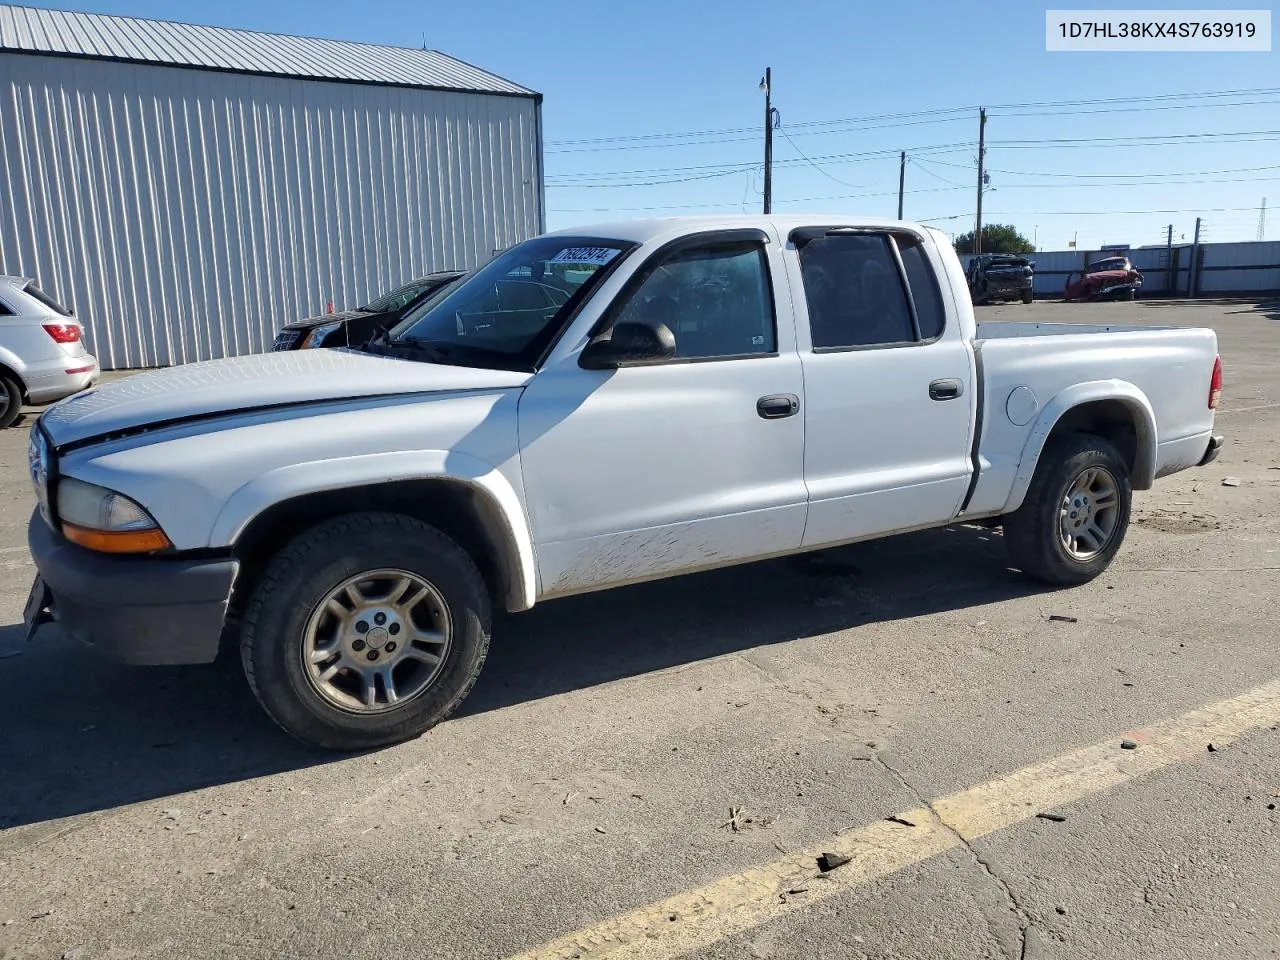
x=286, y=339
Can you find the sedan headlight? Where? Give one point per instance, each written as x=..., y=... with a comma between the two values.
x=317, y=334
x=100, y=519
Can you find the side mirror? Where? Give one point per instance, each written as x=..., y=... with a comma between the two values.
x=629, y=343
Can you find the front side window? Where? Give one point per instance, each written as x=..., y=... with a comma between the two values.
x=854, y=291
x=507, y=312
x=715, y=299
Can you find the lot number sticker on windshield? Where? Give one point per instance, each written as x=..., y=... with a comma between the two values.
x=597, y=255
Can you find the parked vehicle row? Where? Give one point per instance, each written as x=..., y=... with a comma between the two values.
x=592, y=408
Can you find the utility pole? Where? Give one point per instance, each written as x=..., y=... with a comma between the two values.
x=902, y=179
x=982, y=152
x=767, y=86
x=1170, y=274
x=1191, y=267
x=1262, y=220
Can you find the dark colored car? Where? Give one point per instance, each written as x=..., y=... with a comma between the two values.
x=1112, y=278
x=1000, y=276
x=354, y=327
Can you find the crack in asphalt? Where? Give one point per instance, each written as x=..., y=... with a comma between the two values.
x=1024, y=918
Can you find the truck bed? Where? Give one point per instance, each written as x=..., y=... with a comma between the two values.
x=1028, y=370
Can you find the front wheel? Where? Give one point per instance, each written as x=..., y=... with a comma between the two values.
x=1075, y=514
x=1027, y=296
x=366, y=630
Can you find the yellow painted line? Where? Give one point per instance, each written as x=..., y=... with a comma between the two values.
x=697, y=918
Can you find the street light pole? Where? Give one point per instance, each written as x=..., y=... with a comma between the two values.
x=767, y=86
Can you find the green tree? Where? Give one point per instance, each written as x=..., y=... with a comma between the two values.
x=996, y=238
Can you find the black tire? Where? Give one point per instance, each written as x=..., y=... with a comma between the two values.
x=1027, y=296
x=1129, y=294
x=302, y=574
x=1033, y=531
x=10, y=401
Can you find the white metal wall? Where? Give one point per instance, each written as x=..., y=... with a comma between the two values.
x=187, y=214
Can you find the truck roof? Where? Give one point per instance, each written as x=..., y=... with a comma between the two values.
x=642, y=230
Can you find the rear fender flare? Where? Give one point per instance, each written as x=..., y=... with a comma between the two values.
x=296, y=480
x=1143, y=474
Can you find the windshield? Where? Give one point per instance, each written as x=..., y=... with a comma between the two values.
x=510, y=309
x=401, y=297
x=1115, y=263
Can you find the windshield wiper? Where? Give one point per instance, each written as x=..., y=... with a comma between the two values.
x=434, y=350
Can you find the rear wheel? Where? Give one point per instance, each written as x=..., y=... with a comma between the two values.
x=366, y=630
x=1026, y=296
x=1075, y=514
x=1129, y=294
x=10, y=401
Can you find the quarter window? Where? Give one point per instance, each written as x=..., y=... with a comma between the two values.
x=715, y=299
x=925, y=292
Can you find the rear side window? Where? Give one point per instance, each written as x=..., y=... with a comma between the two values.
x=855, y=292
x=5, y=311
x=925, y=292
x=36, y=293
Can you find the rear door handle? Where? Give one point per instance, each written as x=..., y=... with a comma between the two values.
x=945, y=389
x=778, y=405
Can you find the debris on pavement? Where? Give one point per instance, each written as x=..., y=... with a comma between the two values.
x=1212, y=748
x=829, y=861
x=902, y=820
x=1231, y=481
x=1128, y=745
x=1054, y=817
x=42, y=914
x=739, y=821
x=1059, y=618
x=599, y=829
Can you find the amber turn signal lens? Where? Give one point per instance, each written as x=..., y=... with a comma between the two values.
x=117, y=541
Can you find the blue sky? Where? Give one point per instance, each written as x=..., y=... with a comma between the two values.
x=667, y=67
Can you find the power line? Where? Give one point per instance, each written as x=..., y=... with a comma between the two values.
x=938, y=115
x=1242, y=136
x=815, y=166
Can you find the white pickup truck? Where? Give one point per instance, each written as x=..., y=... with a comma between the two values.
x=591, y=408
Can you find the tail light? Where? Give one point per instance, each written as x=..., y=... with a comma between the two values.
x=63, y=332
x=1215, y=385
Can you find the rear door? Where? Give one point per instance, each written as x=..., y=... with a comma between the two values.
x=889, y=383
x=694, y=462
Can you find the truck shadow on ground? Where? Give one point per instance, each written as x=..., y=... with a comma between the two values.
x=81, y=735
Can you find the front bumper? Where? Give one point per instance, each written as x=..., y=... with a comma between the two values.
x=138, y=610
x=1211, y=452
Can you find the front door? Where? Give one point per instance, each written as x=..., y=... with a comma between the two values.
x=634, y=473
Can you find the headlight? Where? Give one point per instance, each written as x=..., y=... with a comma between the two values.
x=38, y=466
x=101, y=519
x=317, y=334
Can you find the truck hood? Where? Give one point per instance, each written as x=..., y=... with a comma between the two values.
x=239, y=384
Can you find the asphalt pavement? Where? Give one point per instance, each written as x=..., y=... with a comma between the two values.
x=654, y=771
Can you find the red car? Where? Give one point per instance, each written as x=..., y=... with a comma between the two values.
x=1113, y=278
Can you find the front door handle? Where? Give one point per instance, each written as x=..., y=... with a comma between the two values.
x=945, y=389
x=778, y=405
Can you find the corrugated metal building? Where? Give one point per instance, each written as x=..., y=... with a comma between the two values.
x=188, y=189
